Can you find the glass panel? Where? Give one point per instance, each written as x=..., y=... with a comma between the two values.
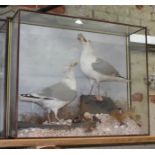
x=139, y=91
x=78, y=80
x=151, y=84
x=2, y=75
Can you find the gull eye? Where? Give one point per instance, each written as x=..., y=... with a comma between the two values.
x=46, y=98
x=23, y=95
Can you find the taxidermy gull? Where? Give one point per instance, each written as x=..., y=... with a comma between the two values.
x=56, y=96
x=97, y=69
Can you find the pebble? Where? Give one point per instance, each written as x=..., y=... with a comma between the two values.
x=122, y=126
x=116, y=126
x=32, y=129
x=26, y=130
x=107, y=129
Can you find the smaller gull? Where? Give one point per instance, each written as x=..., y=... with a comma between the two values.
x=96, y=69
x=55, y=96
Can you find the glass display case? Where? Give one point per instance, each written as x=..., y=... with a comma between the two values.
x=73, y=77
x=3, y=28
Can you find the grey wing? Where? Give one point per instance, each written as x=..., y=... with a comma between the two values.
x=60, y=91
x=104, y=67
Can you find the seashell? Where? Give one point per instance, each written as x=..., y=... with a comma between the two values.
x=63, y=123
x=88, y=116
x=122, y=126
x=97, y=115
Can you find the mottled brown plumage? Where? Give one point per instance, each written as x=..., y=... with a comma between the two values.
x=121, y=116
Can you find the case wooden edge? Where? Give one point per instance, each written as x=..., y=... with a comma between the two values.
x=76, y=141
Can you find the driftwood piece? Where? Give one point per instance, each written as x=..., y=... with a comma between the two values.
x=88, y=103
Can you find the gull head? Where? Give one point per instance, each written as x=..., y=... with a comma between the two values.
x=70, y=78
x=70, y=69
x=31, y=97
x=71, y=66
x=81, y=38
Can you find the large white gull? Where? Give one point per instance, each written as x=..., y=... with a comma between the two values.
x=55, y=96
x=96, y=69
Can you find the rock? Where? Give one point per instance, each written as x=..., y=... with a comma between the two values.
x=137, y=97
x=64, y=113
x=45, y=123
x=96, y=119
x=69, y=122
x=63, y=123
x=88, y=103
x=68, y=112
x=77, y=119
x=87, y=116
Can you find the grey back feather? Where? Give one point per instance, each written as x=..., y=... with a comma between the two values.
x=104, y=67
x=60, y=91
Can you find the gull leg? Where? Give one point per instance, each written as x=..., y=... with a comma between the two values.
x=99, y=97
x=92, y=86
x=98, y=87
x=56, y=114
x=48, y=116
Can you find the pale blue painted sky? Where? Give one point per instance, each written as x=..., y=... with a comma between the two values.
x=44, y=53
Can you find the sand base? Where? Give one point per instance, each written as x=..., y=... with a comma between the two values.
x=107, y=126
